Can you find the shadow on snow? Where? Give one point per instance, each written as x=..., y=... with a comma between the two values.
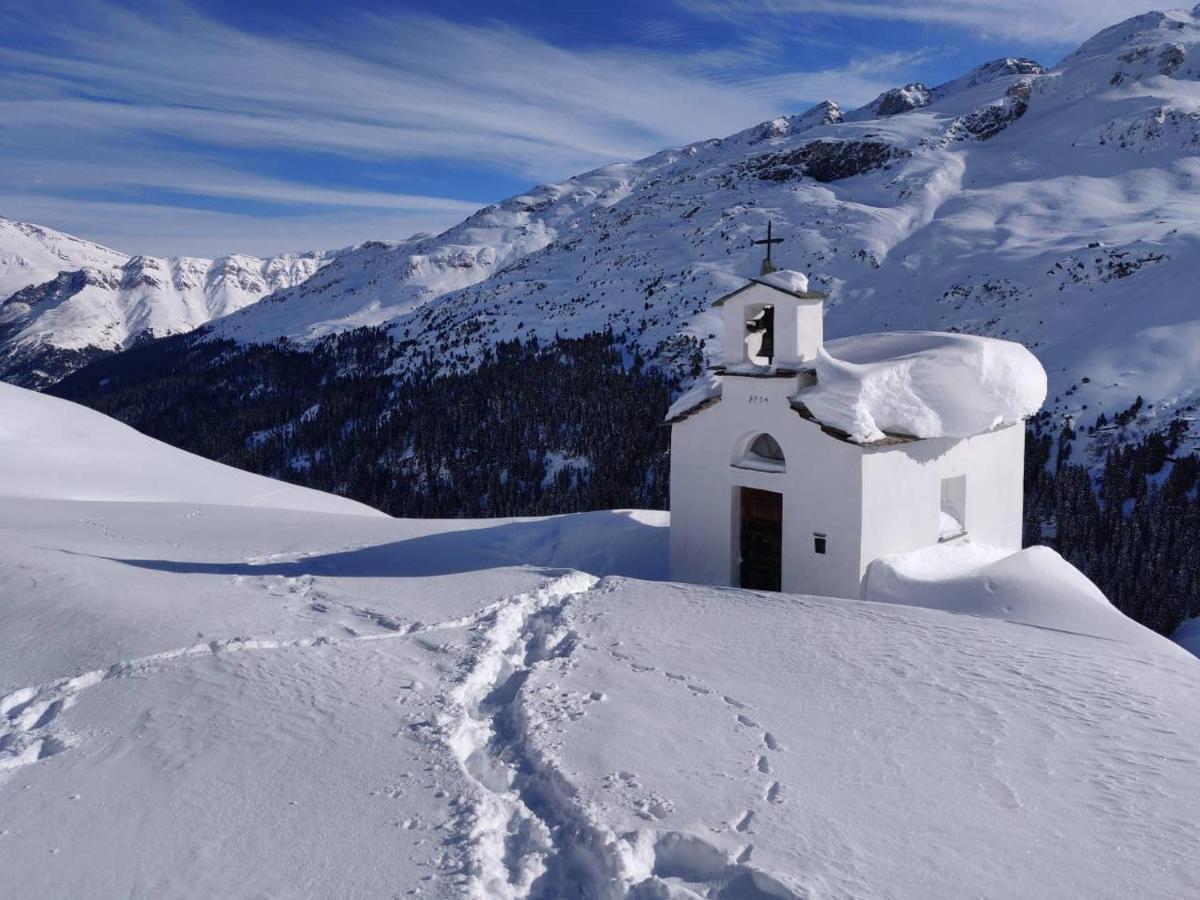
x=602, y=543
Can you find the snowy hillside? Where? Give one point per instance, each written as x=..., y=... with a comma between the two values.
x=201, y=700
x=53, y=449
x=1059, y=208
x=63, y=301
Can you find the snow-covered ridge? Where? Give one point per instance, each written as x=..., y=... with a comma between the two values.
x=55, y=449
x=63, y=300
x=31, y=254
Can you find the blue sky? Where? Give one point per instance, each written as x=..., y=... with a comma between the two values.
x=211, y=126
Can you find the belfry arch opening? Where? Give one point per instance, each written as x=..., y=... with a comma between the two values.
x=760, y=334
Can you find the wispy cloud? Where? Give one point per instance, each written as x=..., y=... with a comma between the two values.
x=857, y=81
x=1033, y=21
x=173, y=230
x=112, y=102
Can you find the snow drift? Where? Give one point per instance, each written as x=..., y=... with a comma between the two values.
x=360, y=706
x=55, y=449
x=924, y=384
x=1034, y=586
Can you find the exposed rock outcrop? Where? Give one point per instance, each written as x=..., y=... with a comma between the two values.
x=824, y=161
x=902, y=99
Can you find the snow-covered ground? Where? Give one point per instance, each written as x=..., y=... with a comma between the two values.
x=242, y=700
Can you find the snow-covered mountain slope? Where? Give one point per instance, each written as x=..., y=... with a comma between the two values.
x=64, y=301
x=232, y=701
x=30, y=254
x=1059, y=208
x=55, y=449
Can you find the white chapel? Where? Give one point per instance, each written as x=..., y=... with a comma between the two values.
x=798, y=463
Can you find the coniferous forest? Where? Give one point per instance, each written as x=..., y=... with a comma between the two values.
x=1132, y=524
x=535, y=430
x=576, y=424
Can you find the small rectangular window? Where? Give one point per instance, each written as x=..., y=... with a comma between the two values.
x=952, y=515
x=818, y=543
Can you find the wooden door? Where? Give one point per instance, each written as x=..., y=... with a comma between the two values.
x=761, y=544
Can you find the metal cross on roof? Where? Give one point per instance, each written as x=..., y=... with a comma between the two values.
x=767, y=266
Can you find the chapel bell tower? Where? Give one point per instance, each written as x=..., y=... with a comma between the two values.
x=774, y=321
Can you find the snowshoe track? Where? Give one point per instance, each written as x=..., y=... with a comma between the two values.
x=28, y=715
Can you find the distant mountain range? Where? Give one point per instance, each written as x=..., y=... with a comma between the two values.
x=1058, y=207
x=65, y=301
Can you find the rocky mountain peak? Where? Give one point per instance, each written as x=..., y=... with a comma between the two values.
x=900, y=100
x=827, y=112
x=989, y=72
x=1139, y=48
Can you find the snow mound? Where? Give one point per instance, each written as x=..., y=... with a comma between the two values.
x=924, y=384
x=55, y=449
x=785, y=280
x=1034, y=586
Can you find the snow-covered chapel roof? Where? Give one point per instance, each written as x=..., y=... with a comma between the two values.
x=916, y=384
x=923, y=384
x=785, y=280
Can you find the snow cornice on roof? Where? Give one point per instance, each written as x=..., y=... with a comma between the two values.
x=799, y=295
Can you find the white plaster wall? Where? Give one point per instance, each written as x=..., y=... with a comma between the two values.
x=810, y=325
x=901, y=498
x=902, y=491
x=821, y=488
x=996, y=486
x=735, y=329
x=700, y=503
